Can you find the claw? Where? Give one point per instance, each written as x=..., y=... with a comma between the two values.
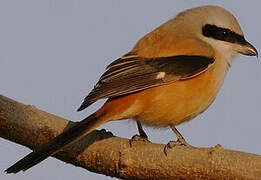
x=173, y=144
x=137, y=138
x=170, y=145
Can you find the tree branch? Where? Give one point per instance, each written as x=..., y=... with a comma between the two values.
x=103, y=153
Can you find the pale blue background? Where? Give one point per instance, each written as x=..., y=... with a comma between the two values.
x=53, y=51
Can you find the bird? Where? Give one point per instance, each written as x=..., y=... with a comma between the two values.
x=170, y=76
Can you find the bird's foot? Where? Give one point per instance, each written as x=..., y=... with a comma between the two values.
x=172, y=144
x=138, y=138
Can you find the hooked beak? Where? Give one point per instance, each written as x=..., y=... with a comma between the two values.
x=248, y=49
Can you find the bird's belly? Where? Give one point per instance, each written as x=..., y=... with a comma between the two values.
x=172, y=109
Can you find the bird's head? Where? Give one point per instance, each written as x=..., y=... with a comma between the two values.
x=218, y=28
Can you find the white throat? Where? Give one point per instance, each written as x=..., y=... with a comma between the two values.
x=225, y=49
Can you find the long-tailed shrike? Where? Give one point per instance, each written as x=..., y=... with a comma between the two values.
x=170, y=76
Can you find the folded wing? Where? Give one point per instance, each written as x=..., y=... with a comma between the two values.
x=129, y=75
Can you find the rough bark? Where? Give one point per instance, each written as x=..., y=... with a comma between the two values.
x=101, y=152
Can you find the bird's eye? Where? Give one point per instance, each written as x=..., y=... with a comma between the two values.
x=225, y=33
x=219, y=33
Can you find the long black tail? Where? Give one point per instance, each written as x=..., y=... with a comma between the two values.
x=74, y=133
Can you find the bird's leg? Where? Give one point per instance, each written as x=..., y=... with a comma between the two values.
x=141, y=131
x=180, y=140
x=142, y=135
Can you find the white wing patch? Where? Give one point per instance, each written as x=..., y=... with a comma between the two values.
x=160, y=75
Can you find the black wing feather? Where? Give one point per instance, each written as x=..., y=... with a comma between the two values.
x=125, y=76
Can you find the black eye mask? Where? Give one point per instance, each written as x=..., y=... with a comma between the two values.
x=222, y=34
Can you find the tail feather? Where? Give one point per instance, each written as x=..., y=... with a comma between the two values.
x=74, y=133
